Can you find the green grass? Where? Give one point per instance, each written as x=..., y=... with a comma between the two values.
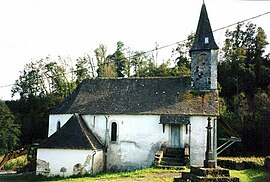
x=251, y=175
x=149, y=174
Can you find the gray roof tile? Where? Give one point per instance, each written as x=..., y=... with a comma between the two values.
x=204, y=30
x=139, y=96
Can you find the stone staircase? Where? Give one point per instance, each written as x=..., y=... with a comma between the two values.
x=171, y=157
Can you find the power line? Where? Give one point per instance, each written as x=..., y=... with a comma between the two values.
x=175, y=43
x=3, y=86
x=248, y=19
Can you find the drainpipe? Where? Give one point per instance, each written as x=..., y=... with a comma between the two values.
x=106, y=142
x=189, y=142
x=93, y=160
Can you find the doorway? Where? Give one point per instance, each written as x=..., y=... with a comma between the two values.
x=175, y=135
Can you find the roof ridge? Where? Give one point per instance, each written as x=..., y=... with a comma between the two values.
x=78, y=133
x=87, y=131
x=83, y=130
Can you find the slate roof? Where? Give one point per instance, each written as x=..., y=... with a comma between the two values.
x=139, y=96
x=74, y=134
x=174, y=119
x=204, y=30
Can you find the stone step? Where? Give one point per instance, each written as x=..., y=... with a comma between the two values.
x=176, y=167
x=172, y=150
x=193, y=177
x=173, y=155
x=218, y=171
x=172, y=159
x=172, y=162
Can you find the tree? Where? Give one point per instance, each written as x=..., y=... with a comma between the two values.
x=243, y=61
x=244, y=77
x=85, y=68
x=44, y=77
x=30, y=82
x=118, y=57
x=42, y=85
x=9, y=130
x=106, y=67
x=183, y=59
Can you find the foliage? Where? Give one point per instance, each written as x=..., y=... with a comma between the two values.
x=119, y=59
x=15, y=164
x=244, y=78
x=44, y=77
x=85, y=68
x=32, y=114
x=106, y=68
x=9, y=130
x=241, y=162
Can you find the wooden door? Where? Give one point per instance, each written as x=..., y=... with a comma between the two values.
x=175, y=135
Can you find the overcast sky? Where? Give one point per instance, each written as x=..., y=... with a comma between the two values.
x=34, y=29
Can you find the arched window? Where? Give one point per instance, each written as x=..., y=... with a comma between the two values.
x=58, y=126
x=114, y=131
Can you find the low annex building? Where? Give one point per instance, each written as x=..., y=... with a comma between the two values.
x=120, y=123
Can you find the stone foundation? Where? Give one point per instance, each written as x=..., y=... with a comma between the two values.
x=201, y=174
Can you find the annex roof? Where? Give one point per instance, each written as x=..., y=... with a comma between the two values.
x=139, y=96
x=74, y=134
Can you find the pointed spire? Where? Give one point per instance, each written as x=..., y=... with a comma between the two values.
x=204, y=39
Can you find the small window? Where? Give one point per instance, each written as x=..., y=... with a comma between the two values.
x=206, y=40
x=58, y=126
x=114, y=131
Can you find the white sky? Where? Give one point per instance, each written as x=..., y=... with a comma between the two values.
x=34, y=29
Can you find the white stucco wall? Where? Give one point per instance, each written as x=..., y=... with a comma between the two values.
x=67, y=158
x=138, y=138
x=53, y=120
x=97, y=124
x=198, y=139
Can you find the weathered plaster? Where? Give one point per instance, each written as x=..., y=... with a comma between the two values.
x=43, y=167
x=74, y=161
x=138, y=139
x=79, y=169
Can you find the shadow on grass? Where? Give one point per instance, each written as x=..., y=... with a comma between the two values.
x=252, y=175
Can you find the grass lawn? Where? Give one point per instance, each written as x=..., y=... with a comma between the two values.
x=252, y=175
x=150, y=174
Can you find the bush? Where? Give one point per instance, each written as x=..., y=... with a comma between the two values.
x=240, y=163
x=14, y=164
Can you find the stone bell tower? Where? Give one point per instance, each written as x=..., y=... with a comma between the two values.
x=204, y=54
